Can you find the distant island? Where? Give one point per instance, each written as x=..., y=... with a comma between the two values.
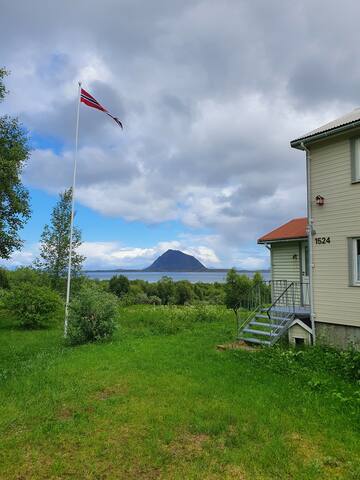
x=176, y=261
x=172, y=261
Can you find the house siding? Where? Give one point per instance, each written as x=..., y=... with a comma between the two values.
x=283, y=264
x=335, y=301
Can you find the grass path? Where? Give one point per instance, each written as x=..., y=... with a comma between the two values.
x=162, y=407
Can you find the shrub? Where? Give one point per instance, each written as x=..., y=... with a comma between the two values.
x=166, y=290
x=154, y=300
x=184, y=292
x=91, y=316
x=141, y=298
x=119, y=285
x=32, y=305
x=28, y=275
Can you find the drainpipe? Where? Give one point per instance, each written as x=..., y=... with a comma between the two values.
x=310, y=243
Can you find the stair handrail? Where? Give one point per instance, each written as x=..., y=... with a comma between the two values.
x=253, y=311
x=249, y=317
x=291, y=285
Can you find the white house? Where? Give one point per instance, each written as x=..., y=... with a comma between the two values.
x=316, y=260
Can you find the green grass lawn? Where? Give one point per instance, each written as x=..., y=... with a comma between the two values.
x=160, y=402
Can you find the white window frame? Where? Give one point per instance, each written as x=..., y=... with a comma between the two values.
x=355, y=265
x=355, y=160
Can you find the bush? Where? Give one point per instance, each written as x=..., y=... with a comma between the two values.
x=166, y=290
x=316, y=359
x=28, y=275
x=119, y=285
x=91, y=316
x=32, y=305
x=154, y=300
x=184, y=292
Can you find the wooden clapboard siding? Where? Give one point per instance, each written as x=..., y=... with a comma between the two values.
x=283, y=264
x=335, y=301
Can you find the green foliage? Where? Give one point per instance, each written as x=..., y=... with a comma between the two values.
x=54, y=244
x=154, y=300
x=92, y=316
x=119, y=285
x=3, y=73
x=209, y=293
x=257, y=279
x=140, y=298
x=4, y=279
x=312, y=366
x=348, y=362
x=14, y=198
x=184, y=292
x=168, y=320
x=345, y=363
x=28, y=274
x=165, y=290
x=33, y=306
x=237, y=290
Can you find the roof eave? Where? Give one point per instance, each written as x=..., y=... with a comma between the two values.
x=292, y=239
x=298, y=143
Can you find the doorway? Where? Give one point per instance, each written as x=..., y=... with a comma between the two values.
x=305, y=294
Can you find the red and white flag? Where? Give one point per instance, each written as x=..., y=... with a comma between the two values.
x=90, y=101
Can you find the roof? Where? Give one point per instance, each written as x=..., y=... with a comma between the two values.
x=345, y=122
x=292, y=230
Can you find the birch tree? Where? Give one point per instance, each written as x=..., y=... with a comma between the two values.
x=55, y=244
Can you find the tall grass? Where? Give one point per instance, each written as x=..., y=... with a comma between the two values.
x=169, y=320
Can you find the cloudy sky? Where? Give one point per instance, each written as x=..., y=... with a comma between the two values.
x=210, y=93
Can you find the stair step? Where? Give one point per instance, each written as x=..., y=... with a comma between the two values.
x=269, y=325
x=272, y=317
x=258, y=332
x=255, y=340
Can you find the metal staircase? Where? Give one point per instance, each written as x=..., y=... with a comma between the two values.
x=266, y=323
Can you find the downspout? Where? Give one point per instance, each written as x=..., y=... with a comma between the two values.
x=310, y=242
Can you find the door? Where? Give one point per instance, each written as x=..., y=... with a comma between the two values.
x=305, y=294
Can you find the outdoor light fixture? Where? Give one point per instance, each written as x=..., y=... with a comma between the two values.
x=320, y=200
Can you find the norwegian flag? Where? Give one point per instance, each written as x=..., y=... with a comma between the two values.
x=90, y=101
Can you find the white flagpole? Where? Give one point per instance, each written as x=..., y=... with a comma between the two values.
x=72, y=214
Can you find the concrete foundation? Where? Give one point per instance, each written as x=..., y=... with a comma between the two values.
x=339, y=336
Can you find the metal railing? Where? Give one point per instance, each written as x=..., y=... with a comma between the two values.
x=280, y=299
x=297, y=295
x=281, y=312
x=257, y=299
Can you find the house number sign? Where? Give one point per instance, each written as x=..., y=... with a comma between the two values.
x=322, y=240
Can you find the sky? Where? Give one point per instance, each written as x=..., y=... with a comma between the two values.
x=210, y=94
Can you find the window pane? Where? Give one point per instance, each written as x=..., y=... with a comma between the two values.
x=357, y=159
x=358, y=260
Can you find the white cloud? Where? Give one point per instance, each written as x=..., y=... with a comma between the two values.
x=210, y=94
x=22, y=258
x=103, y=255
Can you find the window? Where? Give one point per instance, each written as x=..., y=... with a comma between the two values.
x=357, y=260
x=355, y=160
x=354, y=257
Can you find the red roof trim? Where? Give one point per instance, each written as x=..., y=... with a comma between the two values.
x=292, y=230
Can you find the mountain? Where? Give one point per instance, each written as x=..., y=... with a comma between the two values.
x=176, y=261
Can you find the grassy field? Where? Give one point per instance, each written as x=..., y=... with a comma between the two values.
x=160, y=402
